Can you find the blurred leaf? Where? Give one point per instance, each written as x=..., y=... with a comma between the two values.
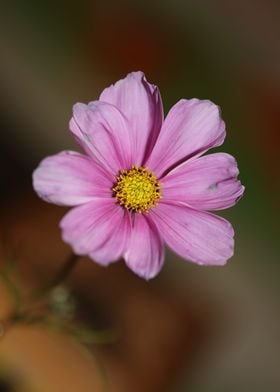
x=88, y=335
x=82, y=333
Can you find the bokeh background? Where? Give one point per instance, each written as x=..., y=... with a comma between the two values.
x=191, y=329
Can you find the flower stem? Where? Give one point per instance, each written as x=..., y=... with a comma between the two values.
x=61, y=275
x=17, y=315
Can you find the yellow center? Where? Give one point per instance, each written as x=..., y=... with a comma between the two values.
x=137, y=189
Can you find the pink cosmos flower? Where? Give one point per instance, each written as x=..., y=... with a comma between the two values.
x=142, y=181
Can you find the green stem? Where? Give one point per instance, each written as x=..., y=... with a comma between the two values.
x=61, y=275
x=16, y=315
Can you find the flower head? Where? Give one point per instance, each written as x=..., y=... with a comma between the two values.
x=142, y=181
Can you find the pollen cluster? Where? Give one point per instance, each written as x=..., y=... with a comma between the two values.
x=137, y=189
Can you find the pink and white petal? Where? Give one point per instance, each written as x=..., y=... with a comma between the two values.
x=141, y=104
x=70, y=179
x=208, y=183
x=198, y=236
x=80, y=138
x=103, y=133
x=190, y=128
x=99, y=229
x=145, y=253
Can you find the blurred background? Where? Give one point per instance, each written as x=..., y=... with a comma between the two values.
x=191, y=329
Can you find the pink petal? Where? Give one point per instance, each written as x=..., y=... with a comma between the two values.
x=198, y=236
x=145, y=254
x=70, y=178
x=99, y=229
x=141, y=104
x=207, y=183
x=102, y=131
x=190, y=128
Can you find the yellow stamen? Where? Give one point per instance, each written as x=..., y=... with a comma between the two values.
x=137, y=189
